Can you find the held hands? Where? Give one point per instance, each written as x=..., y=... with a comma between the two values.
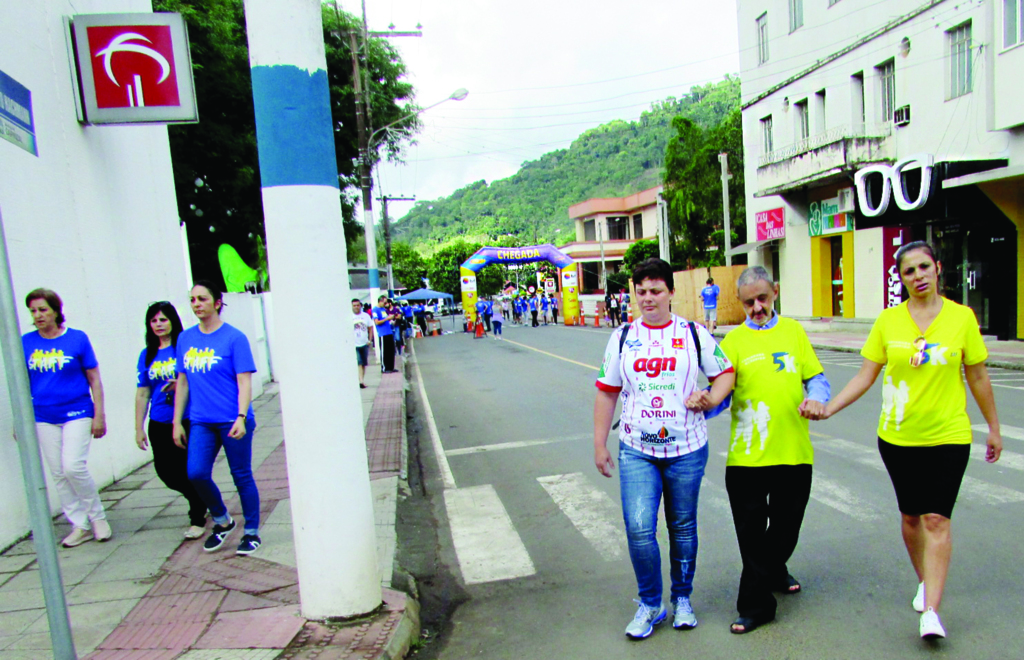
x=99, y=426
x=699, y=401
x=603, y=461
x=140, y=439
x=814, y=410
x=237, y=429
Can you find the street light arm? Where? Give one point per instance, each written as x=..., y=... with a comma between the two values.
x=457, y=95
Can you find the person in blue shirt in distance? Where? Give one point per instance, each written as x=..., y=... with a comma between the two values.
x=156, y=378
x=382, y=316
x=710, y=295
x=215, y=367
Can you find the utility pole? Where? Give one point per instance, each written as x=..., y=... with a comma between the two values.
x=365, y=183
x=387, y=237
x=723, y=158
x=603, y=279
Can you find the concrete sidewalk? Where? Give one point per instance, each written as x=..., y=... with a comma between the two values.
x=850, y=337
x=148, y=595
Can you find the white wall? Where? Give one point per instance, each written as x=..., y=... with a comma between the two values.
x=93, y=217
x=869, y=292
x=245, y=312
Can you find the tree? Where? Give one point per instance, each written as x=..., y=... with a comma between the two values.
x=693, y=190
x=444, y=270
x=407, y=265
x=641, y=250
x=216, y=165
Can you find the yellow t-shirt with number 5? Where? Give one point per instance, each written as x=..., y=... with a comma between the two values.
x=925, y=405
x=771, y=367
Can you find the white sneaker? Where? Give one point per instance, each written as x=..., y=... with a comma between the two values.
x=195, y=532
x=684, y=617
x=101, y=530
x=918, y=601
x=77, y=537
x=645, y=619
x=931, y=627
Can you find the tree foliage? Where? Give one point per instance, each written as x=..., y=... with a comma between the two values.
x=611, y=160
x=693, y=189
x=444, y=270
x=407, y=265
x=216, y=165
x=637, y=252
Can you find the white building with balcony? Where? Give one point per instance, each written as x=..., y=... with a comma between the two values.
x=871, y=124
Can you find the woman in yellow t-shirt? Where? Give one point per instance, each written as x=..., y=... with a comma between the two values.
x=924, y=433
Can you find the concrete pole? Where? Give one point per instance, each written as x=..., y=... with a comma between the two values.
x=332, y=507
x=365, y=181
x=24, y=419
x=724, y=160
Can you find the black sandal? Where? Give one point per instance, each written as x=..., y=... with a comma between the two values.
x=749, y=624
x=790, y=586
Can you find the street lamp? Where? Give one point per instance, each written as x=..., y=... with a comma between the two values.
x=365, y=184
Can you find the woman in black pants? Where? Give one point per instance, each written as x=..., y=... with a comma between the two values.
x=155, y=393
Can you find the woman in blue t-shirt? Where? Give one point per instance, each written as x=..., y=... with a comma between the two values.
x=157, y=376
x=215, y=367
x=67, y=397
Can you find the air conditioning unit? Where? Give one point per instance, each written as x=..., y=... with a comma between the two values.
x=901, y=116
x=846, y=203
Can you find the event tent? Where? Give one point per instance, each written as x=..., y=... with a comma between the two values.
x=424, y=294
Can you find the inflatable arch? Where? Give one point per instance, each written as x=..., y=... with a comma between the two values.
x=523, y=255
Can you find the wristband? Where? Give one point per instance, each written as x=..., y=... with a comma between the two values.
x=241, y=414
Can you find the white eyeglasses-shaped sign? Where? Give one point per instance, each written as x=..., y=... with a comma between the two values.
x=894, y=184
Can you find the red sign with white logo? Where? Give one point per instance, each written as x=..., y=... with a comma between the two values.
x=771, y=224
x=133, y=66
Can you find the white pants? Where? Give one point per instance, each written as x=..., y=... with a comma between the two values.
x=65, y=448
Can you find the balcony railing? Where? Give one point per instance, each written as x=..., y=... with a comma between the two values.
x=822, y=139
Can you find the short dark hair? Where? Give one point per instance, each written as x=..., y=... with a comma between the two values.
x=51, y=298
x=357, y=300
x=215, y=293
x=910, y=247
x=654, y=269
x=711, y=280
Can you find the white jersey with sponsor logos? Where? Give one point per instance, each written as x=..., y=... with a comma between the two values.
x=655, y=373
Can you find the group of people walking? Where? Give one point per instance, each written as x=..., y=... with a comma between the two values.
x=777, y=385
x=195, y=387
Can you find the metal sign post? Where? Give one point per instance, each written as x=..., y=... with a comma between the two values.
x=32, y=464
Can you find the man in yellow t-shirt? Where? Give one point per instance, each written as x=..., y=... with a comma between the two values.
x=768, y=469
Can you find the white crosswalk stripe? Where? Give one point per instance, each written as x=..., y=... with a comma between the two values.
x=486, y=543
x=1014, y=432
x=590, y=510
x=842, y=499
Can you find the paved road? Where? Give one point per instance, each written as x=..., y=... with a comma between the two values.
x=534, y=533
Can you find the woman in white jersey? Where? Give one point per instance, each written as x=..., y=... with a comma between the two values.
x=652, y=366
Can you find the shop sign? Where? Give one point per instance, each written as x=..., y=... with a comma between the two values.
x=892, y=239
x=17, y=125
x=894, y=185
x=771, y=224
x=826, y=219
x=134, y=68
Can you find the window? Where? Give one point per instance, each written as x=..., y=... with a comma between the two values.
x=857, y=100
x=617, y=228
x=959, y=60
x=1013, y=22
x=762, y=38
x=887, y=88
x=589, y=233
x=767, y=144
x=819, y=112
x=638, y=226
x=796, y=14
x=803, y=120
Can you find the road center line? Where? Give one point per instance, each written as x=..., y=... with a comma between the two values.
x=559, y=357
x=435, y=437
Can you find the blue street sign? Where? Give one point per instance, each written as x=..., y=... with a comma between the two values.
x=17, y=125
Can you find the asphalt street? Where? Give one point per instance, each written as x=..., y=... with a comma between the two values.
x=533, y=539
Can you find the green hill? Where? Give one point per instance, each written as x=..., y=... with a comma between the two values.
x=615, y=159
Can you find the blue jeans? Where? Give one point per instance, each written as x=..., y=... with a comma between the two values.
x=643, y=480
x=204, y=443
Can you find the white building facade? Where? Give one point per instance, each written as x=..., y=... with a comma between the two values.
x=869, y=124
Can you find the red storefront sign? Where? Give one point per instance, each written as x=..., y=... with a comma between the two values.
x=892, y=239
x=134, y=68
x=771, y=224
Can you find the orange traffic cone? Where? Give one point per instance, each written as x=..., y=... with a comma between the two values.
x=479, y=329
x=597, y=320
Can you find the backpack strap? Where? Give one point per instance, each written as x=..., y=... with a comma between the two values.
x=696, y=342
x=622, y=337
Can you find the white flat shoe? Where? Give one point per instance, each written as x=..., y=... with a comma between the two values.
x=931, y=627
x=918, y=601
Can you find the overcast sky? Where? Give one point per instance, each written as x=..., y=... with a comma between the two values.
x=539, y=73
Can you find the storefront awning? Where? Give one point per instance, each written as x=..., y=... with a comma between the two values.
x=998, y=174
x=756, y=245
